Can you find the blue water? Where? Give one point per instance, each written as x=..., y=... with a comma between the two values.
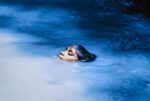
x=33, y=34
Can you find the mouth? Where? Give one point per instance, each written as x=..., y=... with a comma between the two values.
x=60, y=56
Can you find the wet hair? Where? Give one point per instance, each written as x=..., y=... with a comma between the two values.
x=83, y=54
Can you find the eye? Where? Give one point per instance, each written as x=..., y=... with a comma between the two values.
x=70, y=53
x=69, y=50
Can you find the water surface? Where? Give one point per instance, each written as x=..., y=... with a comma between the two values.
x=31, y=39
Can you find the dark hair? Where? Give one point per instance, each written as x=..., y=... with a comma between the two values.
x=83, y=54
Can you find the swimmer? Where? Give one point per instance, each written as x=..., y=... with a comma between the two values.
x=76, y=53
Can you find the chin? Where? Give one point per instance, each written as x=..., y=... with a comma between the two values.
x=60, y=57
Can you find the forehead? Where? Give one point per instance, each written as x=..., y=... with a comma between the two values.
x=71, y=48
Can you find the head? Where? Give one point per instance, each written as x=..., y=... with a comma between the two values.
x=76, y=53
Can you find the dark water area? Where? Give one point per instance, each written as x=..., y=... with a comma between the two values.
x=98, y=19
x=33, y=32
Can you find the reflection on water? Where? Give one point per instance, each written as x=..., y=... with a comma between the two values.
x=30, y=70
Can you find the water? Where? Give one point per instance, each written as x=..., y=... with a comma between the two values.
x=31, y=38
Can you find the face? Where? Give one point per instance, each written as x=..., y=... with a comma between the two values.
x=69, y=54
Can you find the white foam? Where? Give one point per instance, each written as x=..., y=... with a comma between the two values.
x=31, y=78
